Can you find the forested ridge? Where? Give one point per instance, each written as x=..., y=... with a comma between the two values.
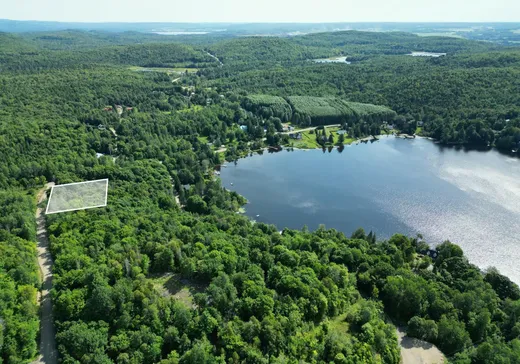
x=152, y=280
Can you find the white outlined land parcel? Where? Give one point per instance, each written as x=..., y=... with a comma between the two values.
x=78, y=196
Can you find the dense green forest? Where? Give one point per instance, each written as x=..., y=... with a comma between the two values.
x=168, y=272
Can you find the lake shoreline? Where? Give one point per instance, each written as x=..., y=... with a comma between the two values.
x=442, y=192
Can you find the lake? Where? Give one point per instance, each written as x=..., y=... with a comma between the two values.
x=332, y=60
x=394, y=185
x=426, y=54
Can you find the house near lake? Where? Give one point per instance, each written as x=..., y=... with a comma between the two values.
x=431, y=253
x=297, y=136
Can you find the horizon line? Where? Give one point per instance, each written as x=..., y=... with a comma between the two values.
x=265, y=22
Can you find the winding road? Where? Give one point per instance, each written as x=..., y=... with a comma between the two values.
x=215, y=58
x=48, y=352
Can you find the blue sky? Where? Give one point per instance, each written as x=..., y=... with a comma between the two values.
x=262, y=10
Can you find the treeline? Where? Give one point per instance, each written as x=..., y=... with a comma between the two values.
x=268, y=106
x=19, y=277
x=146, y=55
x=308, y=110
x=357, y=43
x=456, y=103
x=251, y=51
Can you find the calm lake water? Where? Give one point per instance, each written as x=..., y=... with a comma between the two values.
x=332, y=60
x=392, y=186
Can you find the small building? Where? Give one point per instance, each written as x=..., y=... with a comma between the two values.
x=129, y=108
x=290, y=128
x=101, y=127
x=390, y=127
x=431, y=253
x=297, y=136
x=420, y=123
x=243, y=127
x=341, y=132
x=119, y=109
x=109, y=108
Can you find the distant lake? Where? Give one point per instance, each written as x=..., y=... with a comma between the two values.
x=426, y=54
x=332, y=60
x=394, y=185
x=180, y=33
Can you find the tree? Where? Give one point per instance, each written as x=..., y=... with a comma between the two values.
x=422, y=329
x=196, y=204
x=81, y=339
x=452, y=336
x=502, y=285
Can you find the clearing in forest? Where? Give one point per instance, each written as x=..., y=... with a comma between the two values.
x=172, y=285
x=78, y=196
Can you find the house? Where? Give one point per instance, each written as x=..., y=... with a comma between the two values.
x=431, y=253
x=119, y=109
x=297, y=136
x=420, y=123
x=390, y=127
x=341, y=132
x=109, y=108
x=290, y=128
x=285, y=128
x=101, y=127
x=129, y=108
x=243, y=127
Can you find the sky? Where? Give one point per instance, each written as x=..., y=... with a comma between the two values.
x=262, y=10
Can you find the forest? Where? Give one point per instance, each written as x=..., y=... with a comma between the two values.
x=168, y=272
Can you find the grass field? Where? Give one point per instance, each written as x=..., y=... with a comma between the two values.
x=308, y=140
x=194, y=108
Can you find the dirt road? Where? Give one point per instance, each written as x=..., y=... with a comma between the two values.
x=48, y=352
x=415, y=351
x=215, y=58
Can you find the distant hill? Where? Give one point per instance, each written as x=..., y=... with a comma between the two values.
x=503, y=33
